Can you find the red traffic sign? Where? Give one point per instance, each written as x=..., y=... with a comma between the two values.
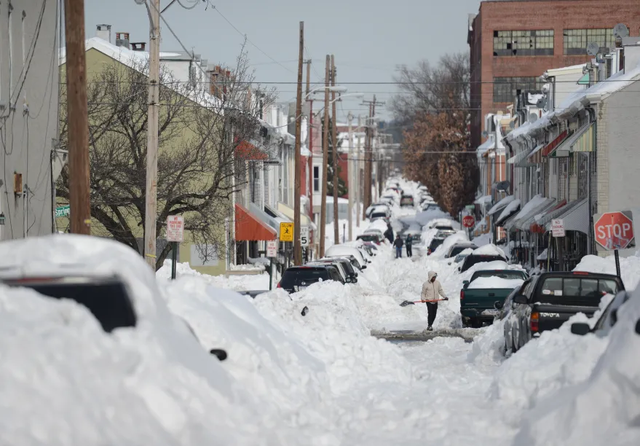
x=614, y=230
x=468, y=221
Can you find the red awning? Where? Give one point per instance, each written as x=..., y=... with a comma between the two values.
x=553, y=145
x=247, y=151
x=251, y=228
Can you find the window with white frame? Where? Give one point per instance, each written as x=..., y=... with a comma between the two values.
x=316, y=178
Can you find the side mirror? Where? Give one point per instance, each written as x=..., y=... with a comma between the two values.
x=465, y=283
x=219, y=353
x=498, y=305
x=521, y=299
x=459, y=269
x=580, y=328
x=304, y=311
x=449, y=263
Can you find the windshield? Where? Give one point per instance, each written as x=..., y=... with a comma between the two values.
x=435, y=243
x=303, y=276
x=378, y=215
x=475, y=259
x=368, y=237
x=502, y=274
x=457, y=250
x=109, y=302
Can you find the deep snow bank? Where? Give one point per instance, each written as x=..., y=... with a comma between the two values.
x=629, y=268
x=604, y=409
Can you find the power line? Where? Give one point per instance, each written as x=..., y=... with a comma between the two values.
x=216, y=9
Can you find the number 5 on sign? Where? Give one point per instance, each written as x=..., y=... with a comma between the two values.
x=286, y=232
x=304, y=235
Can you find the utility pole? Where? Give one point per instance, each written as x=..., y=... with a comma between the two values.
x=369, y=153
x=78, y=118
x=334, y=145
x=297, y=248
x=350, y=176
x=358, y=179
x=151, y=191
x=310, y=148
x=325, y=158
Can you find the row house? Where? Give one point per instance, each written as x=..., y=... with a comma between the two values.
x=574, y=160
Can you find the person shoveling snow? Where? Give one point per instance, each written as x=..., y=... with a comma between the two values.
x=431, y=289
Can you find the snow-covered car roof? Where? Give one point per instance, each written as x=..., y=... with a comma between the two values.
x=489, y=250
x=340, y=250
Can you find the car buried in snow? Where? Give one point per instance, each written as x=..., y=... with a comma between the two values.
x=481, y=295
x=297, y=278
x=607, y=320
x=546, y=301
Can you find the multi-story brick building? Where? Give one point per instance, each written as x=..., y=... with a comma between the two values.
x=512, y=42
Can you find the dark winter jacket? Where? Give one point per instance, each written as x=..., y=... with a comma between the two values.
x=398, y=243
x=389, y=235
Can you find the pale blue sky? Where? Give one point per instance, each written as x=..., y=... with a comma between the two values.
x=369, y=38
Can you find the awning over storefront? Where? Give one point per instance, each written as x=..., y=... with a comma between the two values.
x=508, y=212
x=273, y=222
x=500, y=205
x=506, y=221
x=521, y=158
x=535, y=156
x=581, y=140
x=546, y=216
x=250, y=227
x=289, y=212
x=483, y=200
x=550, y=148
x=575, y=216
x=530, y=208
x=529, y=224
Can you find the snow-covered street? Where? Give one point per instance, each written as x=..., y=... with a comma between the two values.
x=318, y=378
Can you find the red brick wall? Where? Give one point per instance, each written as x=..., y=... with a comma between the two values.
x=535, y=15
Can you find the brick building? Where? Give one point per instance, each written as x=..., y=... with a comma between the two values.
x=512, y=42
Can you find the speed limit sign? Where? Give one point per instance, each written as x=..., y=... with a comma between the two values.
x=304, y=235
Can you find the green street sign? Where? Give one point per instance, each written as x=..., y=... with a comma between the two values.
x=63, y=211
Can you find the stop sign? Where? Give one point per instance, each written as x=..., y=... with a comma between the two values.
x=468, y=221
x=614, y=230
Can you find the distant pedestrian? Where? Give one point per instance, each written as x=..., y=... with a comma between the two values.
x=408, y=243
x=398, y=244
x=432, y=290
x=389, y=233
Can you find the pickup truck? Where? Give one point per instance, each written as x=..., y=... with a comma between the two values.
x=479, y=296
x=546, y=301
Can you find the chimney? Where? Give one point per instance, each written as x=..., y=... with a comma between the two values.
x=122, y=39
x=138, y=46
x=103, y=31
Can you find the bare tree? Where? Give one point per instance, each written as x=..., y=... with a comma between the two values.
x=433, y=104
x=198, y=158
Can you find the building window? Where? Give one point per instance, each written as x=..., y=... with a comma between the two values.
x=576, y=40
x=523, y=43
x=316, y=178
x=505, y=88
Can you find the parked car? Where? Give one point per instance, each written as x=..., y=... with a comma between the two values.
x=345, y=250
x=459, y=247
x=351, y=276
x=380, y=212
x=296, y=278
x=435, y=242
x=371, y=237
x=373, y=248
x=479, y=295
x=416, y=236
x=346, y=278
x=547, y=300
x=460, y=257
x=444, y=233
x=406, y=201
x=474, y=259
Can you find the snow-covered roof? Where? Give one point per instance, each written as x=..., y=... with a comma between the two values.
x=483, y=200
x=578, y=99
x=501, y=204
x=510, y=209
x=531, y=205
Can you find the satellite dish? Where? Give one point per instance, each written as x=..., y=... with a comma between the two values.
x=533, y=117
x=621, y=31
x=593, y=49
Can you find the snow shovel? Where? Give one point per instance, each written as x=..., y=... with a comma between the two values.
x=408, y=302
